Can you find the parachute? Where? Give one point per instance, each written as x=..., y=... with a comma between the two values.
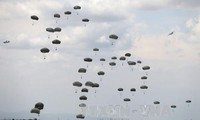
x=34, y=17
x=44, y=50
x=56, y=41
x=82, y=70
x=85, y=20
x=35, y=110
x=101, y=73
x=67, y=13
x=56, y=15
x=122, y=58
x=83, y=97
x=96, y=50
x=84, y=90
x=87, y=60
x=77, y=8
x=113, y=37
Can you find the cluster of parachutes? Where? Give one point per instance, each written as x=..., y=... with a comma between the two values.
x=38, y=106
x=55, y=30
x=88, y=86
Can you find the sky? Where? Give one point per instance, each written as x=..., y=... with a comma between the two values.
x=142, y=27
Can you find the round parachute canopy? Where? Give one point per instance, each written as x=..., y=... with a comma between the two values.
x=39, y=105
x=144, y=77
x=113, y=36
x=35, y=110
x=112, y=63
x=89, y=84
x=84, y=90
x=82, y=105
x=88, y=59
x=56, y=41
x=95, y=85
x=131, y=63
x=114, y=58
x=77, y=84
x=57, y=29
x=122, y=58
x=128, y=54
x=146, y=67
x=127, y=99
x=143, y=87
x=139, y=61
x=80, y=116
x=57, y=15
x=101, y=73
x=173, y=106
x=34, y=17
x=85, y=20
x=77, y=7
x=67, y=12
x=83, y=97
x=44, y=50
x=95, y=49
x=50, y=30
x=156, y=102
x=82, y=70
x=102, y=59
x=188, y=101
x=120, y=89
x=132, y=89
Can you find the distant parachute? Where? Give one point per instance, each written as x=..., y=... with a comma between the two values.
x=50, y=30
x=96, y=50
x=82, y=105
x=120, y=90
x=101, y=73
x=5, y=42
x=44, y=50
x=143, y=87
x=133, y=90
x=88, y=60
x=80, y=116
x=39, y=105
x=171, y=33
x=188, y=102
x=128, y=54
x=56, y=41
x=82, y=70
x=35, y=110
x=156, y=102
x=173, y=107
x=77, y=8
x=85, y=20
x=145, y=68
x=84, y=90
x=144, y=78
x=131, y=64
x=56, y=15
x=83, y=97
x=77, y=84
x=112, y=64
x=113, y=37
x=35, y=18
x=67, y=13
x=114, y=58
x=102, y=60
x=127, y=99
x=122, y=58
x=89, y=84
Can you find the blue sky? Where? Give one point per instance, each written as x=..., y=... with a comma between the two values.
x=143, y=28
